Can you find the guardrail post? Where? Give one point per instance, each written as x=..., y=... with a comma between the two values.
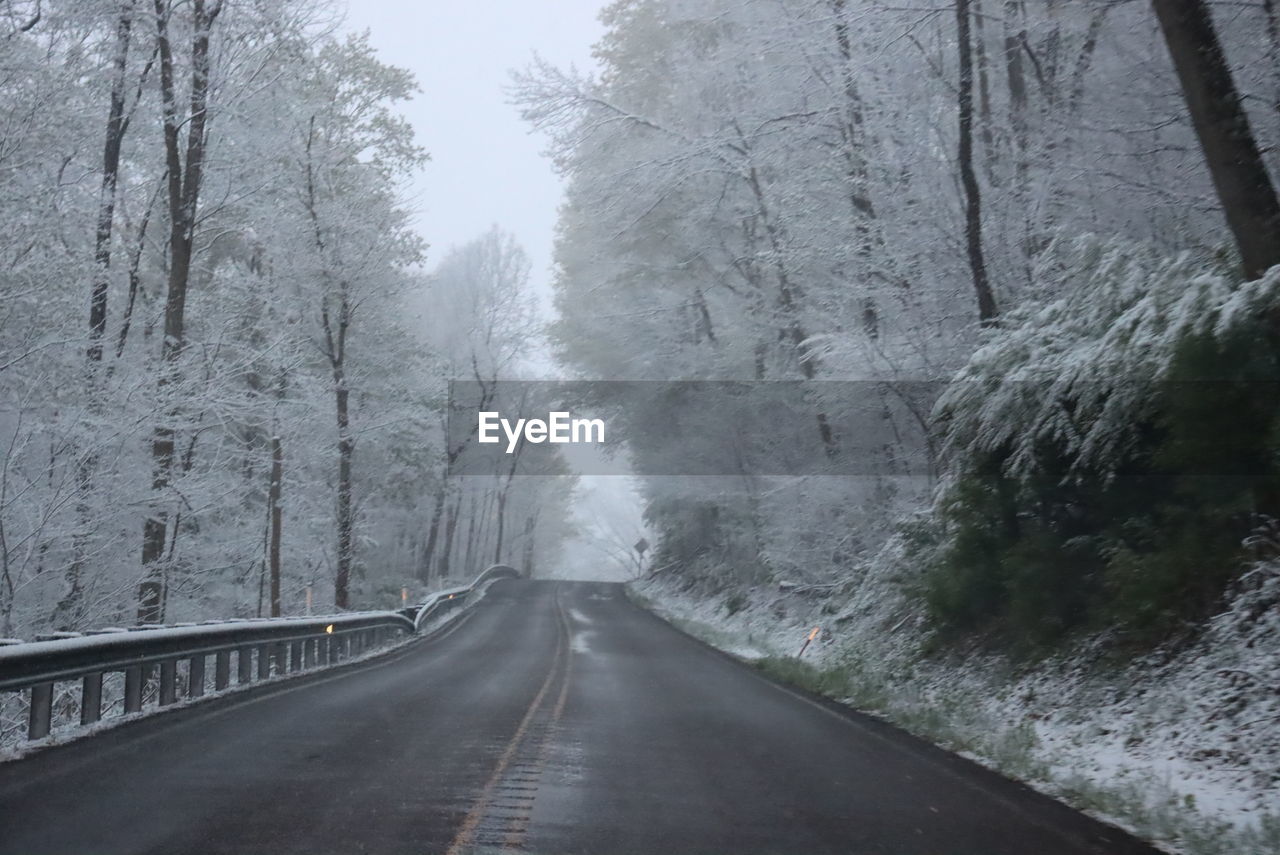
x=244, y=665
x=91, y=698
x=195, y=681
x=280, y=649
x=133, y=689
x=41, y=711
x=221, y=670
x=168, y=682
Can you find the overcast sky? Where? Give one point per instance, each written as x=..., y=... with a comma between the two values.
x=485, y=166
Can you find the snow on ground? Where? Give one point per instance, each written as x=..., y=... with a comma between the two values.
x=763, y=627
x=1180, y=746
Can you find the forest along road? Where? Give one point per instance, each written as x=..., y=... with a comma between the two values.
x=556, y=718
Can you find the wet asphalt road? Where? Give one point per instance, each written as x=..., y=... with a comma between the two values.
x=556, y=718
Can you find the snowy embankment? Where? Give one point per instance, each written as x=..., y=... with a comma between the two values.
x=1181, y=747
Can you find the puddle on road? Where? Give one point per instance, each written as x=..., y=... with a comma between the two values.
x=582, y=641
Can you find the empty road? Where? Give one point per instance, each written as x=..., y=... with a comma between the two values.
x=556, y=718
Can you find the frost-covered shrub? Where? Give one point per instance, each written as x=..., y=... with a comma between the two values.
x=710, y=539
x=1110, y=447
x=1077, y=369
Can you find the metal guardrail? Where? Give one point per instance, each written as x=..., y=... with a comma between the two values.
x=454, y=598
x=262, y=649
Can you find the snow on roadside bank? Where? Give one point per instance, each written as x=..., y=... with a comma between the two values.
x=761, y=625
x=1180, y=747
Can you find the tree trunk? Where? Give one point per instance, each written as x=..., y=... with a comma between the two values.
x=503, y=492
x=450, y=530
x=117, y=124
x=335, y=348
x=67, y=613
x=1014, y=37
x=469, y=546
x=530, y=533
x=854, y=144
x=973, y=203
x=273, y=500
x=341, y=583
x=1236, y=166
x=481, y=547
x=984, y=92
x=1272, y=11
x=502, y=519
x=135, y=270
x=792, y=333
x=184, y=195
x=852, y=131
x=433, y=534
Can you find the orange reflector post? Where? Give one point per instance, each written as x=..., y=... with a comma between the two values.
x=812, y=635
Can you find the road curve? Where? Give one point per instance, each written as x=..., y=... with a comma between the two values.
x=557, y=718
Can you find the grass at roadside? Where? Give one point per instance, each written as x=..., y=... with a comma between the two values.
x=832, y=681
x=742, y=646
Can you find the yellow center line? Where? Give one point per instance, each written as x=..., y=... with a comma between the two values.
x=466, y=834
x=515, y=837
